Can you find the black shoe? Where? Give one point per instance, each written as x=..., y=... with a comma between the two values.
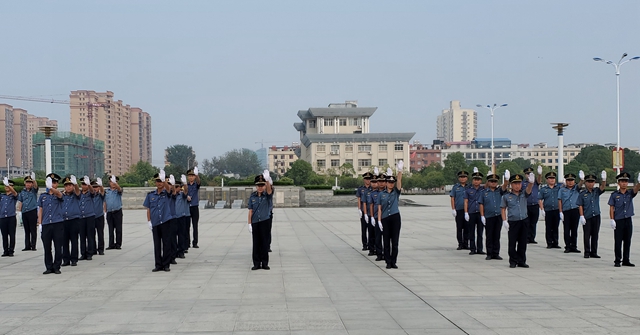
x=156, y=270
x=89, y=258
x=616, y=265
x=549, y=247
x=496, y=257
x=4, y=255
x=118, y=248
x=379, y=258
x=101, y=253
x=481, y=253
x=627, y=264
x=82, y=258
x=196, y=246
x=11, y=254
x=394, y=266
x=594, y=256
x=556, y=247
x=488, y=257
x=26, y=249
x=566, y=251
x=173, y=261
x=266, y=267
x=167, y=269
x=110, y=248
x=388, y=266
x=34, y=249
x=586, y=255
x=269, y=250
x=56, y=271
x=472, y=253
x=459, y=248
x=575, y=251
x=181, y=256
x=533, y=242
x=371, y=253
x=47, y=272
x=95, y=252
x=364, y=248
x=66, y=264
x=523, y=265
x=74, y=263
x=255, y=268
x=186, y=251
x=512, y=265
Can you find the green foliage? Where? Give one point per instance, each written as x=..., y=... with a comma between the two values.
x=575, y=166
x=301, y=172
x=139, y=173
x=284, y=181
x=347, y=169
x=482, y=167
x=522, y=164
x=513, y=168
x=345, y=192
x=181, y=157
x=243, y=162
x=435, y=179
x=317, y=187
x=454, y=163
x=348, y=182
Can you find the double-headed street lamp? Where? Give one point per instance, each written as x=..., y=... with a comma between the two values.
x=492, y=108
x=617, y=67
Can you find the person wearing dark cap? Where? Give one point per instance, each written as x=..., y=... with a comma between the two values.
x=472, y=212
x=533, y=208
x=514, y=219
x=113, y=204
x=589, y=208
x=182, y=216
x=98, y=209
x=378, y=184
x=361, y=195
x=173, y=223
x=389, y=215
x=258, y=219
x=71, y=220
x=490, y=214
x=621, y=212
x=50, y=224
x=87, y=221
x=193, y=187
x=8, y=221
x=369, y=218
x=548, y=202
x=570, y=215
x=158, y=216
x=28, y=210
x=457, y=209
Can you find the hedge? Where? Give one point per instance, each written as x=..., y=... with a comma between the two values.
x=316, y=187
x=344, y=192
x=251, y=183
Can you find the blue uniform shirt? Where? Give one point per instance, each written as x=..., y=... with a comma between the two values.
x=29, y=199
x=516, y=205
x=70, y=206
x=192, y=190
x=373, y=199
x=113, y=198
x=8, y=205
x=622, y=204
x=569, y=197
x=98, y=205
x=457, y=193
x=51, y=208
x=86, y=205
x=158, y=205
x=533, y=198
x=182, y=205
x=549, y=197
x=363, y=196
x=590, y=202
x=389, y=202
x=260, y=204
x=473, y=195
x=491, y=201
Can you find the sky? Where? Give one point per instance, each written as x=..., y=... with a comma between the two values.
x=225, y=75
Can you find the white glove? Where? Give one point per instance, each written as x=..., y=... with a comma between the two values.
x=5, y=181
x=40, y=228
x=183, y=179
x=507, y=175
x=466, y=217
x=195, y=170
x=475, y=169
x=389, y=172
x=360, y=211
x=99, y=181
x=613, y=224
x=33, y=175
x=373, y=222
x=172, y=179
x=505, y=225
x=582, y=220
x=581, y=175
x=484, y=221
x=250, y=229
x=400, y=165
x=380, y=225
x=162, y=175
x=561, y=217
x=376, y=171
x=532, y=178
x=639, y=177
x=265, y=175
x=604, y=175
x=86, y=180
x=542, y=213
x=366, y=218
x=454, y=212
x=48, y=182
x=73, y=179
x=113, y=179
x=150, y=226
x=539, y=169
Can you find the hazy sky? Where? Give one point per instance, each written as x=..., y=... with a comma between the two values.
x=222, y=75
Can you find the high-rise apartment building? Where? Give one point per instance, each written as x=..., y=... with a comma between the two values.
x=140, y=136
x=457, y=124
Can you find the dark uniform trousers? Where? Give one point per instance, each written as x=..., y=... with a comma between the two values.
x=533, y=214
x=52, y=232
x=462, y=233
x=99, y=240
x=260, y=238
x=162, y=245
x=114, y=220
x=494, y=227
x=87, y=236
x=183, y=234
x=391, y=232
x=70, y=236
x=622, y=234
x=363, y=230
x=518, y=242
x=571, y=222
x=590, y=230
x=371, y=231
x=8, y=228
x=174, y=227
x=195, y=217
x=378, y=234
x=551, y=223
x=30, y=224
x=475, y=225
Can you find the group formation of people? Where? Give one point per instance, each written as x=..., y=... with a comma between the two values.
x=517, y=204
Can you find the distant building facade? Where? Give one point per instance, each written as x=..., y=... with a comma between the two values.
x=70, y=154
x=422, y=156
x=263, y=158
x=282, y=158
x=457, y=124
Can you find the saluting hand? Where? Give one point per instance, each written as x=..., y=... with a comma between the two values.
x=507, y=174
x=48, y=182
x=539, y=169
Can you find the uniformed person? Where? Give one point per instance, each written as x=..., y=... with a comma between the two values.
x=28, y=211
x=158, y=214
x=369, y=218
x=389, y=215
x=514, y=219
x=490, y=214
x=569, y=215
x=98, y=209
x=378, y=183
x=173, y=223
x=87, y=221
x=182, y=216
x=548, y=202
x=113, y=204
x=361, y=195
x=8, y=221
x=258, y=220
x=50, y=224
x=472, y=213
x=71, y=218
x=193, y=187
x=457, y=209
x=620, y=212
x=589, y=207
x=533, y=208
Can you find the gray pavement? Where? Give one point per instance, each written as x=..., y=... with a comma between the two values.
x=321, y=283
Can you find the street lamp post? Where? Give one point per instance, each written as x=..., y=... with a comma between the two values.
x=617, y=67
x=492, y=109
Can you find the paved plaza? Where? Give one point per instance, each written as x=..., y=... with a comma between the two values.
x=320, y=282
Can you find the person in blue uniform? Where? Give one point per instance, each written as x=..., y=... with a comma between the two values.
x=173, y=223
x=490, y=214
x=514, y=219
x=50, y=224
x=28, y=210
x=569, y=215
x=589, y=207
x=377, y=186
x=193, y=187
x=472, y=213
x=98, y=210
x=369, y=218
x=8, y=221
x=87, y=220
x=182, y=216
x=457, y=209
x=548, y=202
x=621, y=211
x=158, y=216
x=71, y=221
x=533, y=208
x=389, y=215
x=361, y=195
x=258, y=220
x=113, y=204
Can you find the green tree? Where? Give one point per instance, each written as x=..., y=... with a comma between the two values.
x=139, y=173
x=452, y=164
x=508, y=165
x=243, y=162
x=347, y=169
x=574, y=167
x=482, y=167
x=181, y=157
x=522, y=163
x=435, y=179
x=301, y=172
x=349, y=182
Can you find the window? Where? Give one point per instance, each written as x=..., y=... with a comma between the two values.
x=382, y=162
x=320, y=163
x=382, y=148
x=290, y=156
x=312, y=123
x=399, y=147
x=364, y=163
x=335, y=163
x=364, y=147
x=348, y=161
x=328, y=122
x=320, y=147
x=342, y=122
x=348, y=148
x=354, y=121
x=335, y=147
